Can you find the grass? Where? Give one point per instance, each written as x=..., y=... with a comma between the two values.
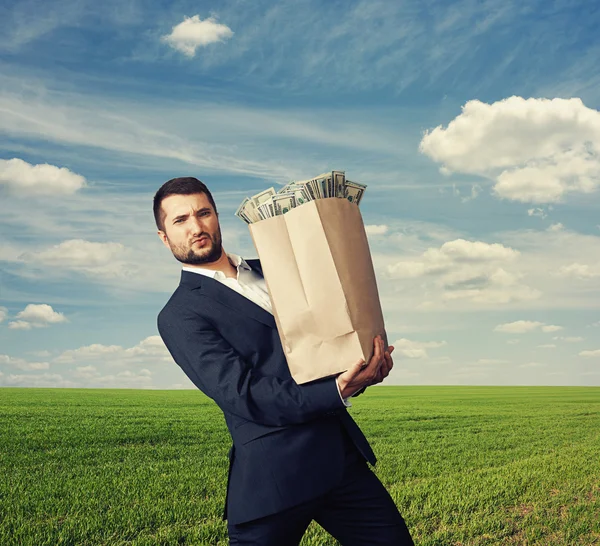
x=466, y=465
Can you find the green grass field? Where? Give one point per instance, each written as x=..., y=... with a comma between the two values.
x=465, y=465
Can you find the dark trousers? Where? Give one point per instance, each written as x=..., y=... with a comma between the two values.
x=359, y=512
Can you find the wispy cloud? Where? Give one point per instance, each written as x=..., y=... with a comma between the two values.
x=525, y=326
x=206, y=135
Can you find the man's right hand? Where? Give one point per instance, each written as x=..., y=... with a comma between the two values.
x=362, y=375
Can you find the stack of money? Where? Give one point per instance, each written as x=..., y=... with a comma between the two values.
x=269, y=203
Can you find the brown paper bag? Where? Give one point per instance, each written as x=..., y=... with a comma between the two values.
x=319, y=273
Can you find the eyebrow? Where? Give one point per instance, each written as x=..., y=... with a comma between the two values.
x=184, y=216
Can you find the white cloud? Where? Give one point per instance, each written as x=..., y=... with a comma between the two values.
x=90, y=352
x=182, y=386
x=547, y=346
x=194, y=32
x=137, y=379
x=108, y=260
x=86, y=372
x=96, y=366
x=518, y=327
x=19, y=325
x=376, y=229
x=475, y=191
x=42, y=353
x=532, y=365
x=23, y=364
x=590, y=354
x=471, y=270
x=580, y=271
x=37, y=316
x=537, y=150
x=415, y=349
x=22, y=178
x=556, y=227
x=3, y=313
x=35, y=366
x=450, y=255
x=541, y=213
x=569, y=339
x=551, y=328
x=150, y=346
x=491, y=361
x=48, y=380
x=525, y=326
x=150, y=349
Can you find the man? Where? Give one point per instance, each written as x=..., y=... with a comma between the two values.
x=297, y=454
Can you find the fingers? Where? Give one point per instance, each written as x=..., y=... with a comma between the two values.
x=376, y=370
x=386, y=366
x=376, y=362
x=389, y=363
x=350, y=374
x=356, y=368
x=377, y=348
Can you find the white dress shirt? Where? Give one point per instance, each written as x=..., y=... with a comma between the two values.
x=248, y=283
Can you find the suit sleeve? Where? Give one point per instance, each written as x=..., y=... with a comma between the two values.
x=236, y=386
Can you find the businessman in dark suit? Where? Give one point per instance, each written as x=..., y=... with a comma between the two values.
x=297, y=454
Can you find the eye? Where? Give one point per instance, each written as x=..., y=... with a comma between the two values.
x=178, y=221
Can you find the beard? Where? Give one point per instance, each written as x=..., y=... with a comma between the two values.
x=187, y=255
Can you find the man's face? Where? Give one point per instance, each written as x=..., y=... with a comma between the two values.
x=191, y=229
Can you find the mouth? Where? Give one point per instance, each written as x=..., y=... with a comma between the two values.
x=201, y=240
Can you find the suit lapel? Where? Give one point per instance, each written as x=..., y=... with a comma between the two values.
x=226, y=296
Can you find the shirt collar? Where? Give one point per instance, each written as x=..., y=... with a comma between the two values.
x=236, y=260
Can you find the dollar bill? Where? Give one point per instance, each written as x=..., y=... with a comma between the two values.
x=266, y=209
x=263, y=196
x=322, y=185
x=319, y=185
x=290, y=186
x=269, y=203
x=302, y=196
x=284, y=202
x=308, y=189
x=339, y=184
x=251, y=211
x=240, y=213
x=354, y=191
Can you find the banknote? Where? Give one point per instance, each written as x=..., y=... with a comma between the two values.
x=266, y=209
x=251, y=211
x=339, y=184
x=354, y=191
x=269, y=203
x=284, y=202
x=240, y=211
x=263, y=196
x=308, y=189
x=298, y=190
x=301, y=196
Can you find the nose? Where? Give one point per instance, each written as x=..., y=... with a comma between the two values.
x=197, y=225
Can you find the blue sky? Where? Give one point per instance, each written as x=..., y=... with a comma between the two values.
x=475, y=125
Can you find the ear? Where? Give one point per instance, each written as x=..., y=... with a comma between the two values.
x=163, y=237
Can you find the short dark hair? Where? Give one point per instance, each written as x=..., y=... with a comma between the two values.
x=186, y=185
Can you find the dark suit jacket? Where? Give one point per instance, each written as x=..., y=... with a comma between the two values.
x=287, y=439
